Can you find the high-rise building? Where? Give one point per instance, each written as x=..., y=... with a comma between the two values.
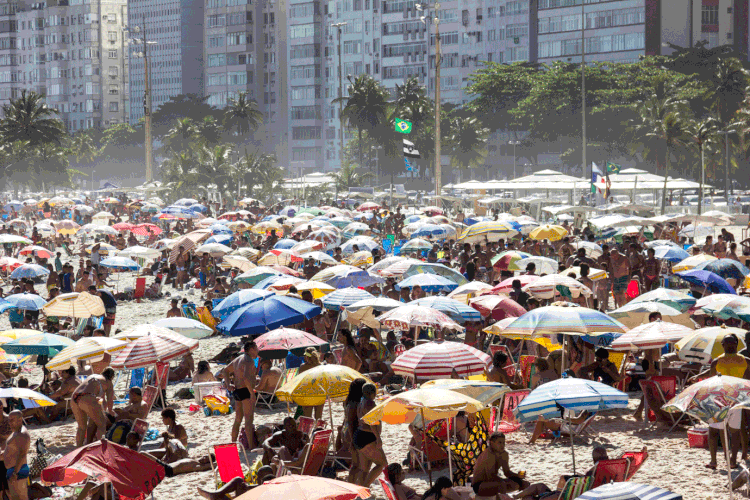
x=176, y=55
x=69, y=51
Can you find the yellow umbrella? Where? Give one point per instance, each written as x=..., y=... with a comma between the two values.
x=594, y=274
x=691, y=262
x=359, y=259
x=317, y=288
x=318, y=385
x=89, y=348
x=483, y=391
x=75, y=305
x=704, y=345
x=431, y=403
x=238, y=261
x=19, y=333
x=238, y=226
x=67, y=227
x=267, y=227
x=549, y=232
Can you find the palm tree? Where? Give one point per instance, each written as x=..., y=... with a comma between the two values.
x=29, y=118
x=703, y=134
x=467, y=142
x=209, y=130
x=213, y=166
x=347, y=176
x=727, y=89
x=365, y=108
x=181, y=136
x=242, y=115
x=251, y=169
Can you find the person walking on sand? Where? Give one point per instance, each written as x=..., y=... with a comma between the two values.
x=85, y=404
x=14, y=457
x=366, y=441
x=243, y=390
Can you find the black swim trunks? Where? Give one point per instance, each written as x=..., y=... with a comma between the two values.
x=475, y=487
x=242, y=394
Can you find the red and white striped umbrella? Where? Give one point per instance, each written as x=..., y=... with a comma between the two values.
x=146, y=229
x=123, y=226
x=405, y=317
x=160, y=344
x=654, y=335
x=437, y=360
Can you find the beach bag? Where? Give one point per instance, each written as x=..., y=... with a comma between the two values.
x=41, y=460
x=119, y=432
x=634, y=289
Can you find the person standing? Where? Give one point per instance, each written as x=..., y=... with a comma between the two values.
x=85, y=404
x=14, y=457
x=243, y=389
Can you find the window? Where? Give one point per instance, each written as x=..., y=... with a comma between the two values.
x=306, y=133
x=237, y=77
x=399, y=28
x=215, y=4
x=113, y=71
x=450, y=38
x=304, y=30
x=407, y=48
x=307, y=71
x=239, y=18
x=518, y=54
x=114, y=89
x=217, y=79
x=114, y=107
x=402, y=72
x=712, y=39
x=447, y=82
x=216, y=20
x=516, y=30
x=448, y=15
x=215, y=60
x=709, y=15
x=113, y=54
x=491, y=12
x=239, y=38
x=303, y=10
x=518, y=7
x=112, y=18
x=312, y=92
x=398, y=6
x=491, y=34
x=111, y=36
x=304, y=51
x=305, y=113
x=352, y=47
x=305, y=154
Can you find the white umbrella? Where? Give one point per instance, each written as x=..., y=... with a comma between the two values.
x=75, y=305
x=185, y=326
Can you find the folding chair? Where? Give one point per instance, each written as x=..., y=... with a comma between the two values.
x=140, y=288
x=140, y=427
x=653, y=389
x=316, y=454
x=525, y=364
x=228, y=464
x=581, y=429
x=149, y=396
x=636, y=460
x=575, y=487
x=508, y=422
x=390, y=491
x=611, y=471
x=266, y=398
x=430, y=451
x=306, y=425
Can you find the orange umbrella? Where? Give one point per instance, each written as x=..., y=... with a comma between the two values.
x=306, y=488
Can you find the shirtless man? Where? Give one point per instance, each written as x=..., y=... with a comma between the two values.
x=85, y=404
x=620, y=276
x=269, y=378
x=497, y=373
x=174, y=311
x=286, y=443
x=720, y=248
x=69, y=385
x=485, y=481
x=14, y=457
x=243, y=390
x=136, y=409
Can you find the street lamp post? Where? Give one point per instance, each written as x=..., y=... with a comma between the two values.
x=726, y=133
x=339, y=27
x=438, y=61
x=514, y=144
x=146, y=101
x=93, y=172
x=583, y=86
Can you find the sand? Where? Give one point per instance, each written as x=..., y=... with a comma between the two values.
x=672, y=464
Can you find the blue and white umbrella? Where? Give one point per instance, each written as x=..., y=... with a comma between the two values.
x=433, y=231
x=288, y=211
x=218, y=228
x=458, y=311
x=345, y=297
x=670, y=253
x=223, y=239
x=198, y=208
x=285, y=244
x=29, y=271
x=430, y=283
x=237, y=300
x=362, y=242
x=26, y=301
x=628, y=491
x=120, y=264
x=186, y=202
x=13, y=205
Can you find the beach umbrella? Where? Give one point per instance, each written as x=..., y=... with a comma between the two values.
x=256, y=275
x=544, y=265
x=142, y=330
x=29, y=271
x=395, y=268
x=88, y=348
x=710, y=400
x=241, y=263
x=368, y=206
x=13, y=205
x=725, y=306
x=26, y=301
x=552, y=320
x=439, y=269
x=267, y=314
x=159, y=345
x=593, y=251
x=430, y=283
x=362, y=258
x=278, y=284
x=280, y=257
x=361, y=312
x=122, y=226
x=457, y=311
x=509, y=260
x=487, y=231
x=548, y=232
x=404, y=317
x=361, y=242
x=146, y=229
x=293, y=487
x=670, y=253
x=726, y=268
x=547, y=286
x=416, y=245
x=344, y=297
x=308, y=247
x=673, y=298
x=104, y=248
x=692, y=261
x=697, y=233
x=464, y=292
x=221, y=239
x=75, y=305
x=431, y=402
x=355, y=229
x=704, y=345
x=317, y=288
x=506, y=286
x=318, y=384
x=277, y=343
x=483, y=391
x=285, y=243
x=61, y=200
x=122, y=264
x=438, y=359
x=9, y=262
x=7, y=239
x=38, y=251
x=594, y=274
x=45, y=344
x=497, y=306
x=67, y=227
x=434, y=231
x=237, y=300
x=18, y=333
x=328, y=236
x=185, y=326
x=267, y=227
x=139, y=252
x=31, y=399
x=628, y=491
x=635, y=314
x=708, y=280
x=213, y=249
x=132, y=474
x=654, y=335
x=573, y=394
x=344, y=275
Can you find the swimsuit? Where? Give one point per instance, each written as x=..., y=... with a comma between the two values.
x=363, y=438
x=732, y=365
x=620, y=284
x=242, y=394
x=23, y=472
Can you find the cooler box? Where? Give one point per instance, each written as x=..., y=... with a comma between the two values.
x=204, y=389
x=698, y=437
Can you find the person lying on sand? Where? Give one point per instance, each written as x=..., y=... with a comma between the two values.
x=238, y=486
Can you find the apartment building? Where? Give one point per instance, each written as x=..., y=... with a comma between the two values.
x=174, y=30
x=71, y=52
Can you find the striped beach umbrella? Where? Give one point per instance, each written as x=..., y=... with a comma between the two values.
x=276, y=344
x=509, y=259
x=704, y=344
x=654, y=335
x=629, y=491
x=673, y=298
x=159, y=345
x=185, y=326
x=416, y=245
x=89, y=348
x=552, y=320
x=75, y=305
x=487, y=231
x=344, y=275
x=345, y=297
x=431, y=283
x=632, y=315
x=436, y=360
x=692, y=261
x=548, y=286
x=404, y=317
x=457, y=311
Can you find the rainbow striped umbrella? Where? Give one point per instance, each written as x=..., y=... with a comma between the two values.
x=552, y=320
x=487, y=231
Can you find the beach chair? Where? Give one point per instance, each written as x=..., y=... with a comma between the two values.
x=390, y=491
x=611, y=471
x=316, y=454
x=620, y=360
x=338, y=353
x=149, y=396
x=140, y=288
x=575, y=487
x=228, y=464
x=581, y=429
x=430, y=451
x=653, y=389
x=140, y=427
x=636, y=460
x=267, y=398
x=508, y=422
x=525, y=364
x=306, y=425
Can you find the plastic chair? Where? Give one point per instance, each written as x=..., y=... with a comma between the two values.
x=575, y=487
x=508, y=422
x=316, y=454
x=636, y=460
x=390, y=491
x=430, y=451
x=654, y=389
x=580, y=430
x=140, y=288
x=611, y=471
x=228, y=464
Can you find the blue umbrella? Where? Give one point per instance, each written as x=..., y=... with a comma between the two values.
x=29, y=271
x=345, y=297
x=285, y=244
x=6, y=306
x=237, y=300
x=430, y=231
x=430, y=283
x=457, y=311
x=45, y=344
x=470, y=221
x=224, y=239
x=13, y=205
x=219, y=229
x=197, y=208
x=726, y=268
x=120, y=264
x=670, y=253
x=440, y=269
x=711, y=281
x=26, y=301
x=628, y=491
x=267, y=314
x=266, y=282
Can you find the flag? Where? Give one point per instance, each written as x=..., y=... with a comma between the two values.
x=598, y=182
x=613, y=168
x=402, y=126
x=410, y=150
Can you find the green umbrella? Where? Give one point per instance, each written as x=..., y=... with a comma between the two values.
x=45, y=344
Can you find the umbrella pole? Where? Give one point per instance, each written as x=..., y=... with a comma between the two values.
x=424, y=444
x=336, y=330
x=158, y=386
x=448, y=448
x=564, y=357
x=330, y=412
x=726, y=454
x=572, y=444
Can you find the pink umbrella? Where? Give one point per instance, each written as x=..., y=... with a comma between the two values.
x=159, y=344
x=436, y=360
x=368, y=206
x=146, y=229
x=506, y=286
x=497, y=306
x=123, y=226
x=10, y=262
x=405, y=317
x=276, y=344
x=40, y=252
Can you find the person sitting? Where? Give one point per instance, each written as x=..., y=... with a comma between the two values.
x=69, y=384
x=184, y=370
x=556, y=425
x=176, y=431
x=443, y=490
x=602, y=369
x=269, y=377
x=181, y=466
x=286, y=443
x=394, y=473
x=497, y=372
x=237, y=486
x=202, y=374
x=136, y=409
x=544, y=373
x=485, y=481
